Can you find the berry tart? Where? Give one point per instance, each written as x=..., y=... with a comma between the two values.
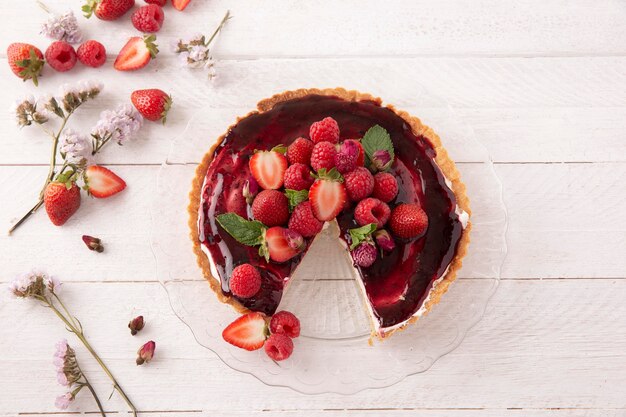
x=310, y=159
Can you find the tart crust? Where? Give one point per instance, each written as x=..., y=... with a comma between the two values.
x=446, y=165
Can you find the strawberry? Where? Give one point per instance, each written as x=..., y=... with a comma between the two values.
x=25, y=60
x=300, y=151
x=408, y=221
x=247, y=332
x=180, y=4
x=107, y=9
x=271, y=208
x=153, y=104
x=268, y=168
x=328, y=195
x=101, y=182
x=136, y=54
x=61, y=201
x=283, y=244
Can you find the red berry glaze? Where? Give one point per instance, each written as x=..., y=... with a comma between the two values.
x=245, y=281
x=408, y=221
x=299, y=152
x=372, y=210
x=92, y=54
x=271, y=208
x=359, y=183
x=303, y=220
x=285, y=323
x=61, y=56
x=278, y=347
x=385, y=187
x=148, y=18
x=326, y=130
x=323, y=156
x=298, y=177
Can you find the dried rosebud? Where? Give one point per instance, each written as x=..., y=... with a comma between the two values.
x=145, y=353
x=346, y=158
x=384, y=240
x=294, y=239
x=136, y=325
x=250, y=189
x=381, y=160
x=93, y=243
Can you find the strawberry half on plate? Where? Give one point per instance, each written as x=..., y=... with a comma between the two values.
x=247, y=332
x=101, y=182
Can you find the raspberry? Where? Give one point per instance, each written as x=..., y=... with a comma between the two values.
x=61, y=56
x=299, y=152
x=347, y=157
x=157, y=2
x=304, y=221
x=298, y=177
x=408, y=221
x=372, y=210
x=364, y=255
x=148, y=18
x=385, y=187
x=285, y=323
x=271, y=208
x=323, y=156
x=245, y=281
x=92, y=54
x=278, y=347
x=326, y=130
x=359, y=183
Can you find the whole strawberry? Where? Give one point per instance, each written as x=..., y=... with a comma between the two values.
x=153, y=104
x=25, y=60
x=271, y=208
x=107, y=9
x=408, y=221
x=61, y=201
x=148, y=18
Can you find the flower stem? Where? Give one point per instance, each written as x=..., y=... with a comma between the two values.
x=220, y=27
x=93, y=392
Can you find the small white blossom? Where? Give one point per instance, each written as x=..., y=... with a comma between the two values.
x=75, y=148
x=62, y=28
x=30, y=284
x=120, y=124
x=63, y=401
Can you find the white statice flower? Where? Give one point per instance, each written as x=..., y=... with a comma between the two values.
x=62, y=28
x=31, y=284
x=119, y=125
x=75, y=148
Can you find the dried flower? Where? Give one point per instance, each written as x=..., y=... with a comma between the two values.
x=119, y=125
x=26, y=113
x=250, y=189
x=33, y=284
x=381, y=159
x=384, y=240
x=136, y=325
x=364, y=255
x=68, y=371
x=63, y=401
x=75, y=148
x=62, y=28
x=93, y=243
x=145, y=353
x=72, y=96
x=294, y=239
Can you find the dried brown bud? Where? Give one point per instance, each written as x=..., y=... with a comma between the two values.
x=93, y=243
x=136, y=324
x=146, y=353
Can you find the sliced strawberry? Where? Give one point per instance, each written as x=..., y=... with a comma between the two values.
x=136, y=54
x=328, y=195
x=247, y=332
x=268, y=168
x=101, y=182
x=180, y=4
x=283, y=244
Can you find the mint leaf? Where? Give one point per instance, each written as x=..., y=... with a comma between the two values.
x=378, y=139
x=296, y=197
x=361, y=234
x=324, y=174
x=280, y=149
x=244, y=231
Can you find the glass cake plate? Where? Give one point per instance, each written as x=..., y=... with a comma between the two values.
x=332, y=354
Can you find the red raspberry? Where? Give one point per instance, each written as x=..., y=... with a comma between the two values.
x=61, y=56
x=304, y=221
x=92, y=54
x=298, y=177
x=359, y=183
x=148, y=18
x=285, y=323
x=347, y=157
x=157, y=2
x=245, y=281
x=372, y=210
x=326, y=130
x=408, y=221
x=271, y=208
x=299, y=152
x=385, y=187
x=364, y=255
x=278, y=347
x=323, y=156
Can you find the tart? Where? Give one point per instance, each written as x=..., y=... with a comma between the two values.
x=411, y=269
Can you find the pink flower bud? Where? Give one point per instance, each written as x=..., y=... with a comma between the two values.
x=250, y=189
x=136, y=325
x=384, y=240
x=145, y=353
x=381, y=159
x=63, y=401
x=294, y=239
x=93, y=243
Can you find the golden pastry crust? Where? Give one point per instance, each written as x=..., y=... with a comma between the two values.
x=442, y=159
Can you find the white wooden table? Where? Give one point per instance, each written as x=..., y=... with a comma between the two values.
x=543, y=83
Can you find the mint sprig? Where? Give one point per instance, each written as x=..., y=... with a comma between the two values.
x=378, y=139
x=296, y=197
x=247, y=232
x=361, y=234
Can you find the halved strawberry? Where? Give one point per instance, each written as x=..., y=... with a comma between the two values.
x=101, y=182
x=136, y=54
x=268, y=168
x=328, y=195
x=247, y=332
x=283, y=244
x=180, y=4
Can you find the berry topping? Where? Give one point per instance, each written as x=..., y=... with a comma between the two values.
x=326, y=130
x=323, y=156
x=285, y=323
x=136, y=54
x=153, y=104
x=61, y=201
x=303, y=220
x=385, y=187
x=347, y=157
x=283, y=244
x=25, y=60
x=247, y=332
x=271, y=208
x=148, y=18
x=372, y=210
x=157, y=2
x=364, y=255
x=107, y=9
x=245, y=281
x=268, y=168
x=384, y=240
x=92, y=54
x=278, y=347
x=359, y=183
x=61, y=56
x=299, y=152
x=236, y=201
x=180, y=4
x=101, y=182
x=360, y=161
x=408, y=221
x=327, y=195
x=298, y=177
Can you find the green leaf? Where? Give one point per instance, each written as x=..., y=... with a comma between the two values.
x=361, y=234
x=377, y=139
x=282, y=149
x=332, y=175
x=244, y=231
x=296, y=197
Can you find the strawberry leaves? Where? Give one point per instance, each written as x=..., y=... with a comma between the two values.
x=378, y=148
x=361, y=234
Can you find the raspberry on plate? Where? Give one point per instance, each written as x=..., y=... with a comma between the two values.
x=148, y=18
x=245, y=281
x=299, y=152
x=92, y=54
x=323, y=156
x=408, y=221
x=278, y=347
x=326, y=130
x=298, y=177
x=271, y=208
x=359, y=183
x=303, y=220
x=372, y=210
x=61, y=56
x=385, y=187
x=285, y=323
